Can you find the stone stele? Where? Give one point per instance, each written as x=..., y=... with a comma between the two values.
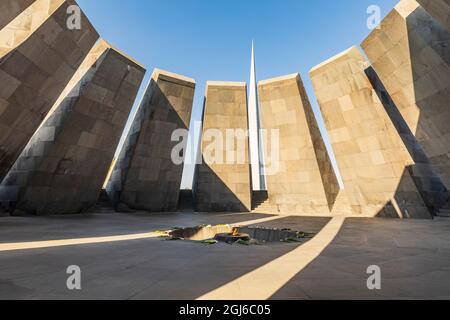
x=223, y=182
x=439, y=9
x=145, y=176
x=300, y=177
x=64, y=166
x=38, y=57
x=370, y=153
x=410, y=53
x=10, y=9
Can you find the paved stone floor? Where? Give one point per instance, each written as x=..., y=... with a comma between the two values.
x=414, y=257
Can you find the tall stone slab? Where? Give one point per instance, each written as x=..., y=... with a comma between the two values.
x=410, y=52
x=145, y=176
x=304, y=182
x=371, y=155
x=64, y=166
x=429, y=184
x=38, y=57
x=223, y=179
x=10, y=9
x=439, y=9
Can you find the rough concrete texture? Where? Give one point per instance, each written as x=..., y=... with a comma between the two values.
x=10, y=9
x=223, y=181
x=63, y=167
x=371, y=156
x=302, y=181
x=145, y=177
x=410, y=52
x=38, y=57
x=439, y=9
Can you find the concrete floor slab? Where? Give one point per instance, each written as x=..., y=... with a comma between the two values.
x=414, y=257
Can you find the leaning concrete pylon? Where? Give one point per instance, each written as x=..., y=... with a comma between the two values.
x=9, y=9
x=300, y=177
x=223, y=180
x=370, y=153
x=38, y=57
x=439, y=9
x=410, y=52
x=146, y=176
x=63, y=167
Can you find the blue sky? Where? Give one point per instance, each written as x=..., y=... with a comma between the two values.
x=211, y=39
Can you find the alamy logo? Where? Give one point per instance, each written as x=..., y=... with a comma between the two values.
x=227, y=146
x=374, y=281
x=74, y=280
x=74, y=19
x=374, y=20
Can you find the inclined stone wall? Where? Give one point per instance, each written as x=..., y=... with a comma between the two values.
x=429, y=184
x=372, y=158
x=10, y=9
x=145, y=177
x=223, y=182
x=388, y=122
x=439, y=9
x=410, y=53
x=38, y=57
x=305, y=182
x=63, y=167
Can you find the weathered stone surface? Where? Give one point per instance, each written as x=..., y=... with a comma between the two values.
x=223, y=182
x=63, y=167
x=410, y=52
x=38, y=57
x=145, y=177
x=439, y=9
x=371, y=156
x=429, y=184
x=305, y=183
x=10, y=9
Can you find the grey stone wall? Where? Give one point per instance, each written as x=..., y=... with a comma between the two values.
x=145, y=177
x=371, y=156
x=10, y=9
x=63, y=167
x=439, y=9
x=410, y=53
x=429, y=184
x=34, y=69
x=224, y=186
x=304, y=182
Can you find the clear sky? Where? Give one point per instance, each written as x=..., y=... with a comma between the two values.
x=211, y=39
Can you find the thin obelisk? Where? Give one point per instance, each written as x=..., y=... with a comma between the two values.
x=256, y=157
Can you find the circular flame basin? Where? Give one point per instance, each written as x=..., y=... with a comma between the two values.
x=232, y=237
x=229, y=234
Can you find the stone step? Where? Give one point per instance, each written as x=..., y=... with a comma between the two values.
x=259, y=199
x=186, y=201
x=263, y=208
x=266, y=206
x=99, y=209
x=444, y=213
x=256, y=205
x=266, y=211
x=262, y=204
x=103, y=197
x=104, y=204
